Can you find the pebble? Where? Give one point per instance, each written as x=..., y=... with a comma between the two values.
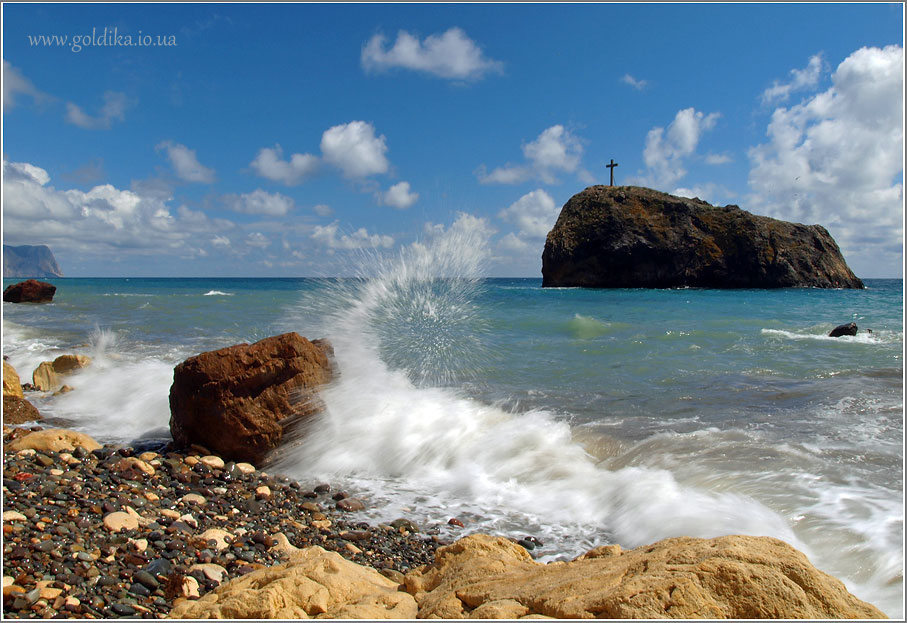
x=113, y=538
x=214, y=462
x=350, y=504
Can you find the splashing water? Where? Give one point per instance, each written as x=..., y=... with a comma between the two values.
x=392, y=431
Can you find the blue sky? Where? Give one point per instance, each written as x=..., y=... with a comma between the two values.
x=280, y=140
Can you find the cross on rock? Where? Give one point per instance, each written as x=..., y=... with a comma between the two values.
x=611, y=166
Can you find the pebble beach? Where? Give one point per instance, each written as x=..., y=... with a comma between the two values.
x=124, y=531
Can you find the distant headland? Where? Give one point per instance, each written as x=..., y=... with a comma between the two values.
x=29, y=261
x=632, y=237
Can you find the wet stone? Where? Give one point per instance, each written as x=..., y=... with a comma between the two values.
x=145, y=579
x=122, y=609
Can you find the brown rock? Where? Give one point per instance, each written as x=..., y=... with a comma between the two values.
x=313, y=583
x=632, y=237
x=31, y=291
x=45, y=378
x=118, y=520
x=12, y=386
x=739, y=577
x=53, y=440
x=18, y=410
x=64, y=364
x=239, y=401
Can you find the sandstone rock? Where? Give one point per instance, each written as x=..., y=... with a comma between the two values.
x=18, y=410
x=189, y=587
x=221, y=539
x=239, y=401
x=133, y=466
x=64, y=364
x=13, y=516
x=12, y=385
x=727, y=577
x=53, y=440
x=118, y=520
x=193, y=498
x=844, y=329
x=31, y=291
x=45, y=378
x=313, y=583
x=631, y=237
x=214, y=462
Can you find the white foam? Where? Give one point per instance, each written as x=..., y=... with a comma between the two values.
x=859, y=338
x=217, y=293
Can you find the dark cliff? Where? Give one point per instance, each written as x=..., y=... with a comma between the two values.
x=29, y=261
x=631, y=237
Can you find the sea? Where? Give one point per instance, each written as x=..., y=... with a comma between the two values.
x=581, y=417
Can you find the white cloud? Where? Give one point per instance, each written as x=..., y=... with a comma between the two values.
x=359, y=239
x=114, y=109
x=666, y=151
x=509, y=174
x=323, y=210
x=836, y=158
x=513, y=243
x=14, y=84
x=104, y=221
x=269, y=163
x=258, y=240
x=555, y=150
x=717, y=159
x=639, y=85
x=185, y=163
x=354, y=149
x=800, y=79
x=220, y=241
x=534, y=214
x=259, y=202
x=398, y=196
x=449, y=55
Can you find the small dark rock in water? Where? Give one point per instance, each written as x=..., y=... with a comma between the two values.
x=145, y=578
x=340, y=495
x=527, y=544
x=453, y=521
x=844, y=329
x=533, y=540
x=405, y=524
x=323, y=489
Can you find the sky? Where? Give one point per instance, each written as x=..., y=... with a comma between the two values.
x=290, y=140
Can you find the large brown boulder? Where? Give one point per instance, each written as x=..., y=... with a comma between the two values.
x=31, y=291
x=314, y=583
x=740, y=577
x=18, y=410
x=632, y=237
x=239, y=401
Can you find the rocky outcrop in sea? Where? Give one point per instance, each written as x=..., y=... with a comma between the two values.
x=632, y=237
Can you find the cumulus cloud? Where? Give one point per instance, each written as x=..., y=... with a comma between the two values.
x=451, y=55
x=534, y=214
x=104, y=220
x=269, y=163
x=513, y=243
x=220, y=241
x=666, y=150
x=258, y=240
x=555, y=150
x=323, y=210
x=114, y=109
x=398, y=196
x=259, y=202
x=327, y=235
x=800, y=79
x=185, y=163
x=15, y=84
x=639, y=85
x=836, y=159
x=355, y=149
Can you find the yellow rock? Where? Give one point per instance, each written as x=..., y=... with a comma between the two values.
x=12, y=386
x=118, y=520
x=64, y=364
x=45, y=377
x=314, y=583
x=727, y=577
x=53, y=440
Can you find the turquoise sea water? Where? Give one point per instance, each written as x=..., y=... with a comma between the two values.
x=579, y=416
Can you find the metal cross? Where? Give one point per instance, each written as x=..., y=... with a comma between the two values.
x=611, y=166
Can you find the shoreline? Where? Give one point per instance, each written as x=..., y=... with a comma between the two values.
x=63, y=557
